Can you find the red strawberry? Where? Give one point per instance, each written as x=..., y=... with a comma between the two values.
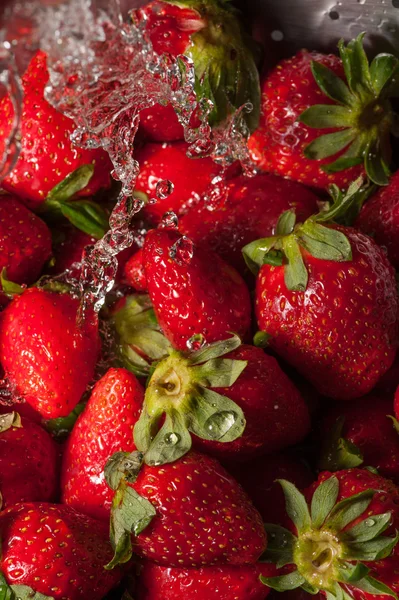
x=208, y=583
x=389, y=382
x=379, y=218
x=55, y=551
x=133, y=272
x=331, y=309
x=347, y=541
x=210, y=36
x=193, y=291
x=104, y=427
x=187, y=514
x=190, y=177
x=361, y=433
x=47, y=155
x=68, y=249
x=28, y=460
x=259, y=479
x=25, y=241
x=46, y=354
x=249, y=210
x=315, y=125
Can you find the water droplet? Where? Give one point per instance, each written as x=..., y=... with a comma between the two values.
x=164, y=188
x=362, y=1
x=334, y=15
x=171, y=439
x=169, y=220
x=182, y=251
x=196, y=342
x=220, y=423
x=370, y=522
x=277, y=35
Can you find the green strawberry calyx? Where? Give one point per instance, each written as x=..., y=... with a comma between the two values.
x=130, y=512
x=179, y=401
x=10, y=288
x=224, y=61
x=86, y=215
x=338, y=452
x=363, y=114
x=8, y=420
x=334, y=541
x=138, y=337
x=19, y=592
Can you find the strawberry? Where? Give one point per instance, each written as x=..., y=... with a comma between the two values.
x=69, y=245
x=187, y=514
x=222, y=56
x=249, y=209
x=389, y=382
x=47, y=355
x=133, y=272
x=345, y=545
x=25, y=241
x=361, y=433
x=47, y=155
x=28, y=460
x=210, y=397
x=324, y=117
x=379, y=218
x=104, y=427
x=188, y=287
x=55, y=551
x=208, y=583
x=325, y=289
x=191, y=178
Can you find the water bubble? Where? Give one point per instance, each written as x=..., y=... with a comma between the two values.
x=171, y=439
x=334, y=15
x=196, y=342
x=164, y=188
x=277, y=35
x=169, y=220
x=182, y=251
x=370, y=522
x=220, y=423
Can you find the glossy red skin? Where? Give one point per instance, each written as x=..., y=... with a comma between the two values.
x=396, y=403
x=341, y=333
x=379, y=218
x=203, y=516
x=277, y=145
x=68, y=249
x=390, y=380
x=104, y=427
x=28, y=464
x=56, y=551
x=25, y=241
x=169, y=29
x=368, y=426
x=208, y=583
x=47, y=154
x=354, y=481
x=133, y=272
x=45, y=354
x=249, y=211
x=191, y=177
x=276, y=415
x=206, y=297
x=258, y=478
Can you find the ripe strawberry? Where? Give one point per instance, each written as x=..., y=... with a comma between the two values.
x=47, y=155
x=249, y=210
x=361, y=433
x=344, y=544
x=25, y=241
x=379, y=218
x=28, y=461
x=187, y=514
x=328, y=300
x=133, y=272
x=315, y=125
x=389, y=382
x=45, y=353
x=210, y=35
x=68, y=248
x=193, y=291
x=191, y=178
x=104, y=427
x=55, y=551
x=208, y=583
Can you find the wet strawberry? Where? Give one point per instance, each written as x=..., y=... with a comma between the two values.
x=133, y=272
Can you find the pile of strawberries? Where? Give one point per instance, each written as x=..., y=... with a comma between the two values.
x=226, y=425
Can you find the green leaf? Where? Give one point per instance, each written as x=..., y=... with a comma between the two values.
x=382, y=69
x=262, y=339
x=371, y=550
x=215, y=350
x=323, y=501
x=286, y=223
x=369, y=528
x=283, y=583
x=216, y=417
x=376, y=167
x=339, y=453
x=296, y=506
x=349, y=573
x=394, y=422
x=353, y=155
x=295, y=272
x=122, y=466
x=172, y=441
x=324, y=243
x=349, y=509
x=9, y=287
x=144, y=429
x=218, y=372
x=62, y=426
x=329, y=144
x=328, y=116
x=11, y=419
x=358, y=69
x=254, y=253
x=23, y=592
x=332, y=85
x=280, y=546
x=87, y=216
x=375, y=587
x=70, y=186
